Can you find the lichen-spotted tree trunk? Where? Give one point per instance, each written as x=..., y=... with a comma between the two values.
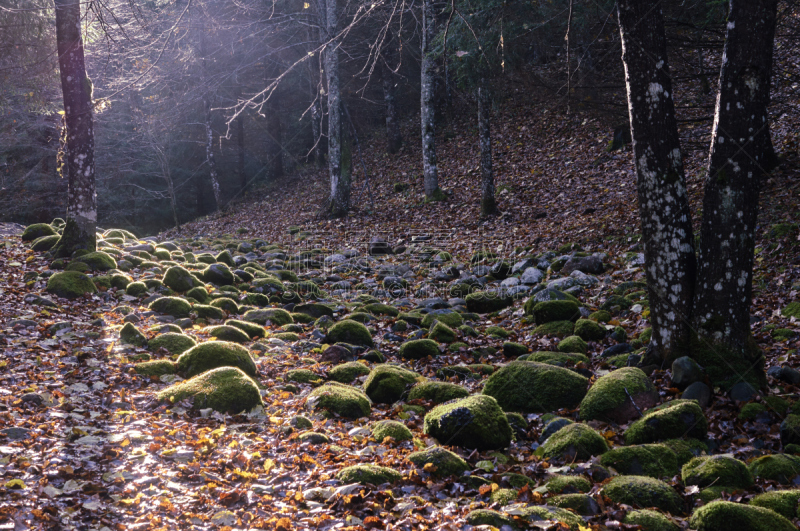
x=716, y=298
x=741, y=152
x=663, y=203
x=488, y=202
x=430, y=171
x=340, y=182
x=210, y=159
x=394, y=140
x=79, y=232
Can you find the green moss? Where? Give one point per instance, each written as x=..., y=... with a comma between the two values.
x=70, y=284
x=574, y=442
x=442, y=333
x=368, y=475
x=204, y=311
x=314, y=438
x=589, y=330
x=200, y=294
x=686, y=449
x=535, y=387
x=130, y=335
x=487, y=301
x=643, y=491
x=717, y=470
x=612, y=391
x=348, y=331
x=155, y=368
x=218, y=274
x=601, y=316
x=224, y=389
x=44, y=243
x=175, y=343
x=302, y=318
x=783, y=502
x=77, y=265
x=573, y=344
x=792, y=310
x=443, y=462
x=381, y=309
x=179, y=279
x=37, y=230
x=583, y=504
x=119, y=281
x=514, y=350
x=650, y=520
x=549, y=311
x=254, y=331
x=451, y=318
x=725, y=516
x=174, y=306
x=99, y=261
x=135, y=289
x=555, y=358
x=391, y=428
x=387, y=383
x=751, y=411
x=286, y=336
x=227, y=333
x=437, y=392
x=460, y=372
x=555, y=328
x=497, y=331
x=653, y=460
x=671, y=420
x=338, y=399
x=225, y=303
x=536, y=513
x=419, y=349
x=473, y=422
x=302, y=376
x=212, y=354
x=779, y=467
x=488, y=517
x=568, y=484
x=503, y=496
x=347, y=372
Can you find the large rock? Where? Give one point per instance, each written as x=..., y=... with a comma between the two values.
x=173, y=342
x=783, y=502
x=130, y=335
x=488, y=301
x=368, y=475
x=671, y=420
x=418, y=349
x=589, y=330
x=335, y=399
x=535, y=387
x=717, y=470
x=643, y=491
x=440, y=462
x=473, y=422
x=174, y=306
x=574, y=441
x=592, y=265
x=437, y=392
x=275, y=316
x=548, y=311
x=213, y=354
x=654, y=460
x=612, y=396
x=36, y=231
x=387, y=384
x=179, y=278
x=782, y=468
x=726, y=516
x=531, y=276
x=224, y=389
x=218, y=274
x=790, y=430
x=99, y=261
x=70, y=284
x=313, y=309
x=349, y=331
x=686, y=371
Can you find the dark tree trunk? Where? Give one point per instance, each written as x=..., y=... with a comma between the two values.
x=741, y=152
x=488, y=203
x=427, y=104
x=340, y=182
x=275, y=140
x=79, y=232
x=663, y=204
x=393, y=137
x=241, y=151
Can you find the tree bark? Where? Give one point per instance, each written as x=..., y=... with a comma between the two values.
x=488, y=202
x=275, y=140
x=241, y=151
x=79, y=232
x=340, y=184
x=741, y=152
x=210, y=160
x=427, y=104
x=670, y=265
x=393, y=137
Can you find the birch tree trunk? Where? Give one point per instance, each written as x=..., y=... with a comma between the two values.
x=314, y=93
x=741, y=152
x=340, y=184
x=427, y=104
x=663, y=204
x=393, y=136
x=488, y=203
x=79, y=232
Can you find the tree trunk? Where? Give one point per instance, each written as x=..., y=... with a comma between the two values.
x=275, y=140
x=314, y=93
x=427, y=104
x=212, y=163
x=393, y=136
x=340, y=184
x=740, y=154
x=488, y=203
x=79, y=232
x=663, y=204
x=241, y=151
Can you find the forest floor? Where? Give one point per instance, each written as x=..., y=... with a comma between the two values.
x=87, y=442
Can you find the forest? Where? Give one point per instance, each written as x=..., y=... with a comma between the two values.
x=478, y=264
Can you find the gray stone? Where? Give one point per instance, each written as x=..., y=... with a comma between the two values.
x=32, y=398
x=522, y=265
x=510, y=282
x=785, y=374
x=531, y=276
x=588, y=264
x=16, y=434
x=743, y=392
x=562, y=284
x=698, y=391
x=686, y=371
x=550, y=295
x=38, y=300
x=27, y=323
x=335, y=259
x=582, y=279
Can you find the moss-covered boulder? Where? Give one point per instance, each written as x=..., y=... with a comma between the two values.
x=377, y=308
x=368, y=475
x=609, y=398
x=568, y=484
x=180, y=279
x=227, y=333
x=574, y=442
x=555, y=328
x=573, y=344
x=173, y=342
x=99, y=261
x=347, y=372
x=206, y=311
x=212, y=354
x=301, y=376
x=783, y=502
x=472, y=422
x=134, y=289
x=536, y=513
x=727, y=516
x=790, y=428
x=650, y=520
x=254, y=331
x=174, y=306
x=671, y=420
x=45, y=243
x=130, y=335
x=514, y=350
x=439, y=462
x=654, y=460
x=349, y=331
x=335, y=399
x=224, y=389
x=643, y=491
x=418, y=349
x=314, y=309
x=686, y=449
x=583, y=504
x=155, y=368
x=488, y=301
x=535, y=387
x=437, y=392
x=218, y=274
x=387, y=384
x=70, y=285
x=37, y=230
x=447, y=316
x=275, y=316
x=782, y=468
x=589, y=330
x=717, y=470
x=391, y=428
x=556, y=358
x=488, y=517
x=442, y=333
x=227, y=304
x=549, y=311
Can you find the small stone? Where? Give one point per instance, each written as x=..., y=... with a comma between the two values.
x=743, y=392
x=698, y=391
x=686, y=371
